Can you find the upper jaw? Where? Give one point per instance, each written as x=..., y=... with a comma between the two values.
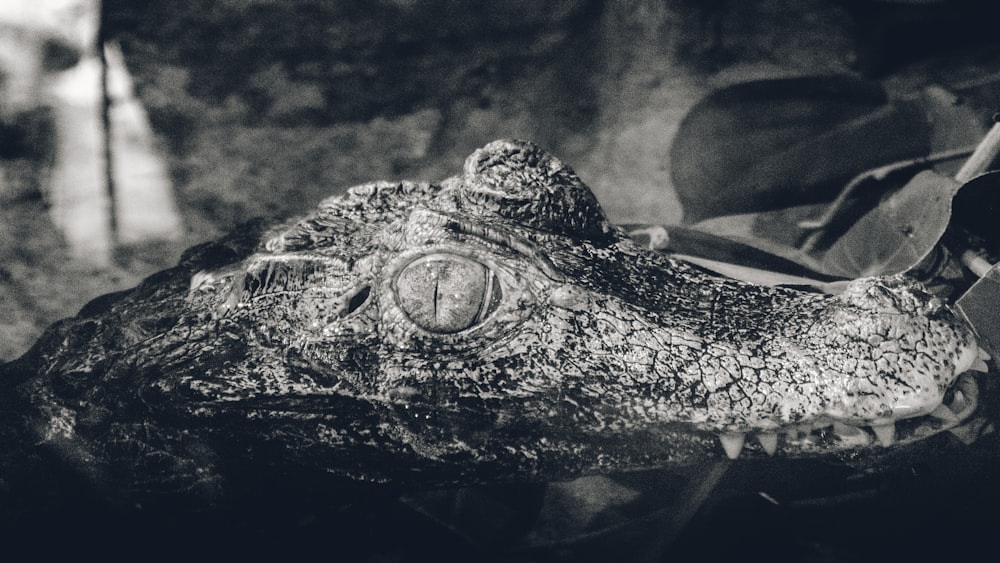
x=952, y=410
x=916, y=375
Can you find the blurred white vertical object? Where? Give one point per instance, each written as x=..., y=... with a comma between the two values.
x=20, y=68
x=78, y=192
x=25, y=26
x=21, y=60
x=144, y=203
x=28, y=39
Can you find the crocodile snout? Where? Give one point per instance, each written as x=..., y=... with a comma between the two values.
x=894, y=352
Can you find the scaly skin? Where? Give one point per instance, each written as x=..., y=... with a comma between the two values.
x=488, y=328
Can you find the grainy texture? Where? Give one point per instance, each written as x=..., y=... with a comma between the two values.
x=491, y=327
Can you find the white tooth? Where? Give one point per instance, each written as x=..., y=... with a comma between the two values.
x=966, y=358
x=966, y=396
x=944, y=413
x=979, y=365
x=958, y=400
x=732, y=442
x=886, y=433
x=768, y=441
x=983, y=354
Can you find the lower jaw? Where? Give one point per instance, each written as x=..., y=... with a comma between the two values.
x=825, y=435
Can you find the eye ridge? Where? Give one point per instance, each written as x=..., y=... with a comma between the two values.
x=447, y=293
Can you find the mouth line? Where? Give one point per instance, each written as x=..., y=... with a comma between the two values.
x=825, y=434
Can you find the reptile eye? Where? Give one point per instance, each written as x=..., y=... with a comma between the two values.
x=446, y=293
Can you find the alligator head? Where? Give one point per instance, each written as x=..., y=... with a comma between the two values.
x=490, y=327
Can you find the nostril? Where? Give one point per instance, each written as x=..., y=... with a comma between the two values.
x=892, y=295
x=872, y=294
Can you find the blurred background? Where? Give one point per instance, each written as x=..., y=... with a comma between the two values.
x=130, y=131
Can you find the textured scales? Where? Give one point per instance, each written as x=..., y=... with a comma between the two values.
x=487, y=328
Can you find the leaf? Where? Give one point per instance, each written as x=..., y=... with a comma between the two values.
x=898, y=233
x=777, y=143
x=981, y=306
x=694, y=242
x=763, y=277
x=728, y=257
x=976, y=207
x=773, y=232
x=891, y=237
x=572, y=507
